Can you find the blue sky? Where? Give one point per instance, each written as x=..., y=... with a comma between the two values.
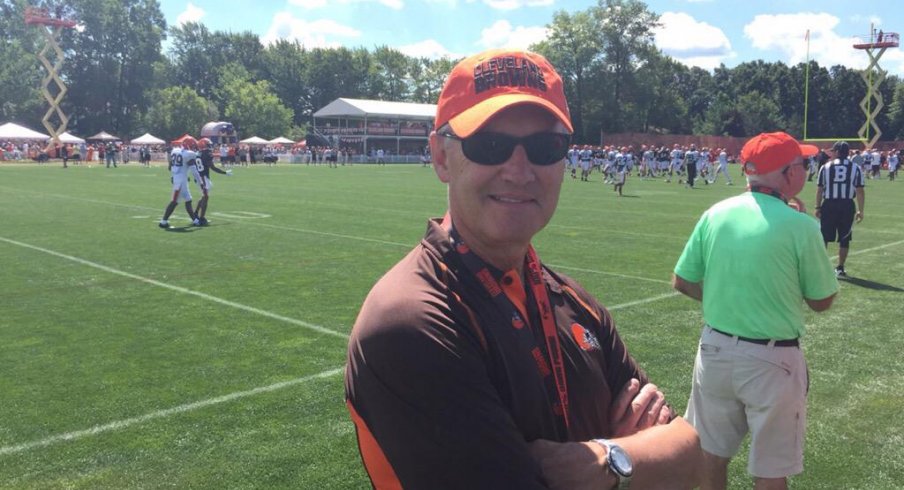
x=700, y=33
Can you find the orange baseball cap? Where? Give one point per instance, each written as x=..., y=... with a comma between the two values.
x=483, y=84
x=768, y=152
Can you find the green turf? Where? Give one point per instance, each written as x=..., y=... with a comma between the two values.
x=89, y=340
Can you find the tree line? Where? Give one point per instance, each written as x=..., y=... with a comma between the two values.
x=121, y=78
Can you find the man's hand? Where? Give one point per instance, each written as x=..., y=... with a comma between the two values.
x=859, y=216
x=637, y=408
x=817, y=213
x=572, y=465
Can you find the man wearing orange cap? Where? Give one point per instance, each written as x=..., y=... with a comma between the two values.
x=759, y=259
x=473, y=365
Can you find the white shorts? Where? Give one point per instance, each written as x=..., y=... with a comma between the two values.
x=740, y=386
x=619, y=177
x=180, y=186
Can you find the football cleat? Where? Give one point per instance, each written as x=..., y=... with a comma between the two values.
x=196, y=222
x=203, y=221
x=163, y=224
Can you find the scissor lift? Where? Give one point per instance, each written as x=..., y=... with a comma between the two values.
x=875, y=48
x=51, y=28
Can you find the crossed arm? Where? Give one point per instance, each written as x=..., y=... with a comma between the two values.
x=664, y=450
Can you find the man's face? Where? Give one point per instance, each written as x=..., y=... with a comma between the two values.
x=797, y=177
x=506, y=204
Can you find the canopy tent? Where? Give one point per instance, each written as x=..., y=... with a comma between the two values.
x=184, y=138
x=282, y=140
x=70, y=139
x=10, y=131
x=343, y=107
x=104, y=136
x=147, y=139
x=254, y=140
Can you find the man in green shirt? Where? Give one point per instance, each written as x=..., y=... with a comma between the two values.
x=760, y=259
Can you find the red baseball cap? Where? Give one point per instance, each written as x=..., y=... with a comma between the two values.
x=483, y=84
x=768, y=152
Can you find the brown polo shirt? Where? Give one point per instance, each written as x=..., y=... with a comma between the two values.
x=442, y=393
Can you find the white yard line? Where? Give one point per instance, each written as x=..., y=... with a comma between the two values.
x=626, y=276
x=872, y=249
x=122, y=424
x=251, y=309
x=643, y=301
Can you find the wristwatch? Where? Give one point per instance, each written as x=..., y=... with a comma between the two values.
x=619, y=462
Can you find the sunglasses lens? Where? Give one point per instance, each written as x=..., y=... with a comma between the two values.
x=546, y=148
x=489, y=148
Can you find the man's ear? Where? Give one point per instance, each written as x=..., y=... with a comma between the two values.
x=438, y=155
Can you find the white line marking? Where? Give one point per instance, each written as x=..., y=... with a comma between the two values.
x=880, y=247
x=121, y=424
x=293, y=321
x=661, y=281
x=645, y=300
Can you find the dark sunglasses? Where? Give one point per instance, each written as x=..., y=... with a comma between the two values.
x=488, y=148
x=805, y=164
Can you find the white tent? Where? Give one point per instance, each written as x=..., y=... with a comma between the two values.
x=70, y=139
x=282, y=140
x=104, y=136
x=254, y=140
x=147, y=139
x=10, y=131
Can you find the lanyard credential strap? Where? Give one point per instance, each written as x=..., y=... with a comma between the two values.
x=556, y=367
x=767, y=190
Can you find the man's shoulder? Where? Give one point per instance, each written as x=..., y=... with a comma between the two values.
x=406, y=292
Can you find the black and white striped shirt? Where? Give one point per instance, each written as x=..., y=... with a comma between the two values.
x=839, y=179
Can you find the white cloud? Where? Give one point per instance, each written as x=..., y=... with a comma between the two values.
x=785, y=33
x=516, y=4
x=312, y=34
x=502, y=35
x=691, y=42
x=863, y=20
x=191, y=14
x=428, y=48
x=316, y=4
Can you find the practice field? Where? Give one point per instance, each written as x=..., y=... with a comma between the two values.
x=132, y=357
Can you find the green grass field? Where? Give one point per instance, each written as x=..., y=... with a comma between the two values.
x=132, y=357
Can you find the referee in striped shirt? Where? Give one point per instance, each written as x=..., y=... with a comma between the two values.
x=839, y=183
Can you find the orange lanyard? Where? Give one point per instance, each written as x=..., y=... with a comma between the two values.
x=479, y=268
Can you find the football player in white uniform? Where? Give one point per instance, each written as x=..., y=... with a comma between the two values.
x=703, y=169
x=181, y=163
x=893, y=161
x=621, y=171
x=723, y=167
x=573, y=160
x=677, y=156
x=586, y=157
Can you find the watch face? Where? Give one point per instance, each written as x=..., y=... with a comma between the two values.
x=621, y=461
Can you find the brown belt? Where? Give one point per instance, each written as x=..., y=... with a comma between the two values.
x=778, y=343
